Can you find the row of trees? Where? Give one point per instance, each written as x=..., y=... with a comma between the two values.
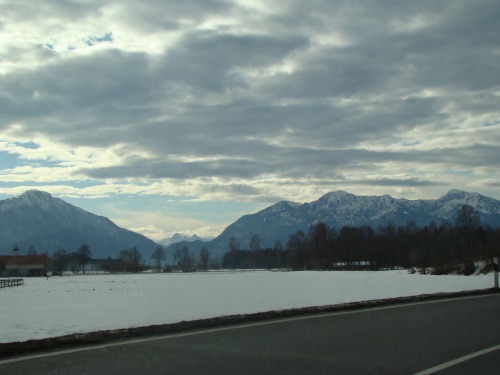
x=131, y=260
x=61, y=260
x=185, y=261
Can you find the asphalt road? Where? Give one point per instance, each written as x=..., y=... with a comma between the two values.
x=458, y=336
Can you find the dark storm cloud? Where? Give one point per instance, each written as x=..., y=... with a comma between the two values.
x=205, y=60
x=92, y=94
x=153, y=15
x=469, y=156
x=298, y=163
x=393, y=182
x=74, y=11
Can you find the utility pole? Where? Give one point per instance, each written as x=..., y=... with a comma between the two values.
x=495, y=271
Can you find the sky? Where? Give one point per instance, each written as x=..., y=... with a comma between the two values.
x=182, y=116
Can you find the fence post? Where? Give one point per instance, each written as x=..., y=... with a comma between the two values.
x=495, y=271
x=4, y=283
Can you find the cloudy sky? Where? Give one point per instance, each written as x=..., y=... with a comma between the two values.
x=181, y=116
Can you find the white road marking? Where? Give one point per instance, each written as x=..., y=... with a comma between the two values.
x=454, y=362
x=240, y=326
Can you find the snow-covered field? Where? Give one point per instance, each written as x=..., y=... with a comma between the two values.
x=58, y=306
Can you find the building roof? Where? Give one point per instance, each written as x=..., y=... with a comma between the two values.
x=23, y=260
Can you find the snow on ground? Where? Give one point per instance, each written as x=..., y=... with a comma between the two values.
x=58, y=306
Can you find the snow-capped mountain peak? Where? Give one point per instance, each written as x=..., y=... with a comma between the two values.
x=335, y=197
x=177, y=237
x=35, y=195
x=39, y=219
x=339, y=208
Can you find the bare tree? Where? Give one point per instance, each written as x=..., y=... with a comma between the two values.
x=318, y=244
x=83, y=255
x=106, y=265
x=204, y=257
x=158, y=255
x=125, y=258
x=468, y=220
x=278, y=248
x=185, y=258
x=254, y=245
x=296, y=246
x=135, y=258
x=232, y=249
x=60, y=260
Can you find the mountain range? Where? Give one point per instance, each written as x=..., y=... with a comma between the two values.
x=37, y=219
x=339, y=208
x=177, y=237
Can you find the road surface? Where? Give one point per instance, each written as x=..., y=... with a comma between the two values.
x=457, y=336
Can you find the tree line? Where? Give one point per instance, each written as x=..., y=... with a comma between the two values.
x=128, y=260
x=132, y=260
x=444, y=248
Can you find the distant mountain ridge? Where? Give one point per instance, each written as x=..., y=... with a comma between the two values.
x=37, y=218
x=339, y=209
x=177, y=237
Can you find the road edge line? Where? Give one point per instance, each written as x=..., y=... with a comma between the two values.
x=456, y=361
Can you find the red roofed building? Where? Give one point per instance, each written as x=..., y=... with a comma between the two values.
x=23, y=265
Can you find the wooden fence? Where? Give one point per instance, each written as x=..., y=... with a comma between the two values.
x=11, y=282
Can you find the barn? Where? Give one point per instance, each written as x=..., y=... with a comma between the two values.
x=23, y=265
